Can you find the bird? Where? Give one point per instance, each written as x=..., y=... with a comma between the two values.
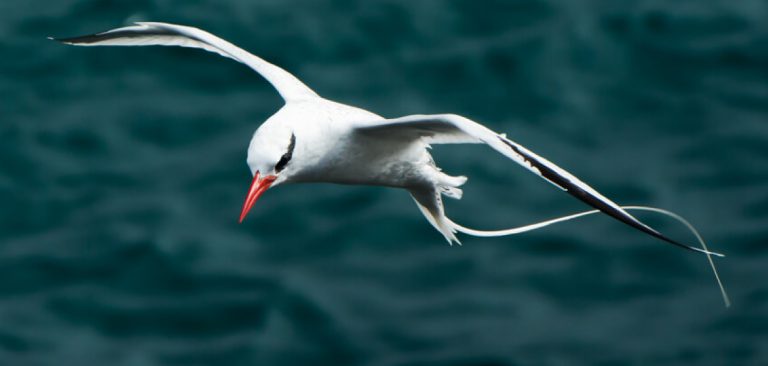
x=311, y=139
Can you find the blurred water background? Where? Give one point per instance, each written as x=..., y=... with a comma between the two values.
x=122, y=172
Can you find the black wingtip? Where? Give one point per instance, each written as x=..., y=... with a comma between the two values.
x=661, y=236
x=76, y=40
x=630, y=220
x=88, y=39
x=60, y=40
x=599, y=203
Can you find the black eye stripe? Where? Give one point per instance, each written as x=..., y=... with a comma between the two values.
x=282, y=162
x=287, y=156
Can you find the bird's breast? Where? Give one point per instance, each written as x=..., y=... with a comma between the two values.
x=357, y=159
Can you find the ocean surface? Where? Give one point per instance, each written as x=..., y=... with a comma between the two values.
x=122, y=174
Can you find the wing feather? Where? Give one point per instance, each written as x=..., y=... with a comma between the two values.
x=451, y=128
x=164, y=34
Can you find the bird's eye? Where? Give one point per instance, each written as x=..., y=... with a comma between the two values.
x=282, y=162
x=287, y=156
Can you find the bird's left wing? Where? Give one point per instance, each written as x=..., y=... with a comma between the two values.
x=165, y=34
x=451, y=128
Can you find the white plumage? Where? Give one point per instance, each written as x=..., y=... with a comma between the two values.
x=312, y=139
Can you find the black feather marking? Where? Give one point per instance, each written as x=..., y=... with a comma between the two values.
x=586, y=197
x=287, y=156
x=99, y=37
x=126, y=33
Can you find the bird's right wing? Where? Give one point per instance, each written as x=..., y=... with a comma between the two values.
x=451, y=128
x=164, y=34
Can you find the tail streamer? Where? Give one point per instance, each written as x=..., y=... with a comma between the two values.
x=539, y=225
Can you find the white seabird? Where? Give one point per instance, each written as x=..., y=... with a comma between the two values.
x=313, y=139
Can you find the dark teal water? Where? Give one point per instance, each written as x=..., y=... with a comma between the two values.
x=122, y=172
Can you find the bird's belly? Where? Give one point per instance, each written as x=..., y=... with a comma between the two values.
x=390, y=174
x=371, y=163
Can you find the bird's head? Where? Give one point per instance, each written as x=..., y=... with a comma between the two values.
x=269, y=157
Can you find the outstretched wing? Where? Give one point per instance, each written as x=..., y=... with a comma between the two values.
x=164, y=34
x=451, y=128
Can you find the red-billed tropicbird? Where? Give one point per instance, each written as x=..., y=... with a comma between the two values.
x=313, y=139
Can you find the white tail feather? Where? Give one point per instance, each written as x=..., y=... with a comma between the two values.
x=539, y=225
